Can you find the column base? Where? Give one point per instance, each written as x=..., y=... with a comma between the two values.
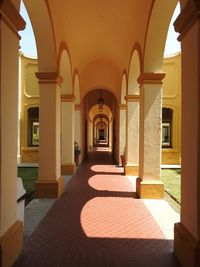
x=11, y=244
x=186, y=247
x=68, y=169
x=150, y=189
x=131, y=170
x=49, y=189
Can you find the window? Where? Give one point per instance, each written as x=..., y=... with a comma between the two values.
x=167, y=115
x=33, y=126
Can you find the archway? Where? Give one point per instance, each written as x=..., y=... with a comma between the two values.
x=100, y=105
x=132, y=120
x=67, y=111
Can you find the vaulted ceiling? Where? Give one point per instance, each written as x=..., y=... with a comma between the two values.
x=100, y=36
x=100, y=32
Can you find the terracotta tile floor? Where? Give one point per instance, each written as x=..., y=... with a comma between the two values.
x=97, y=222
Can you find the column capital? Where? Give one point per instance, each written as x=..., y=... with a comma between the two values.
x=49, y=77
x=11, y=17
x=132, y=98
x=68, y=98
x=188, y=16
x=122, y=106
x=150, y=78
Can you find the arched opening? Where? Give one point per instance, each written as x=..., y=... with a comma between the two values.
x=135, y=69
x=27, y=42
x=67, y=111
x=28, y=93
x=100, y=105
x=101, y=130
x=132, y=113
x=102, y=71
x=156, y=35
x=171, y=117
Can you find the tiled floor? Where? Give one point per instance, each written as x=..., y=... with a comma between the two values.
x=97, y=222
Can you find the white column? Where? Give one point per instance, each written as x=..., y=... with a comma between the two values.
x=11, y=230
x=187, y=232
x=148, y=183
x=132, y=132
x=122, y=129
x=67, y=133
x=50, y=183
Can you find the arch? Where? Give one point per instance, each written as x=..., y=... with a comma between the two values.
x=92, y=97
x=77, y=89
x=40, y=18
x=156, y=35
x=100, y=116
x=94, y=113
x=135, y=68
x=123, y=88
x=65, y=70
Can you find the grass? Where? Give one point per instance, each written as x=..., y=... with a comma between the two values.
x=172, y=183
x=29, y=177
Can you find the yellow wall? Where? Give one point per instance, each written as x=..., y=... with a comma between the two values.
x=29, y=98
x=172, y=99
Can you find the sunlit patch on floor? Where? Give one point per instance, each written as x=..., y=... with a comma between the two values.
x=106, y=169
x=115, y=217
x=116, y=183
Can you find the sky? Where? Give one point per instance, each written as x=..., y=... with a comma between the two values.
x=28, y=45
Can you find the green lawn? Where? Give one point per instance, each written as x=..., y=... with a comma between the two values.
x=171, y=179
x=29, y=177
x=172, y=183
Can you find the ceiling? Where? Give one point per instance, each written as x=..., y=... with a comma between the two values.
x=99, y=37
x=100, y=33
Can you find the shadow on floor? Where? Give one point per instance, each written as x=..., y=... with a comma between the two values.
x=98, y=224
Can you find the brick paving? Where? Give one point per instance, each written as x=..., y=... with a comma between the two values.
x=98, y=222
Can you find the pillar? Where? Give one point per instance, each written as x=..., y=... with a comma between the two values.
x=106, y=133
x=77, y=122
x=67, y=132
x=110, y=133
x=11, y=230
x=122, y=128
x=132, y=135
x=90, y=134
x=187, y=231
x=148, y=183
x=95, y=132
x=50, y=183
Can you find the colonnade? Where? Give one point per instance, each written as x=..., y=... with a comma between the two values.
x=50, y=183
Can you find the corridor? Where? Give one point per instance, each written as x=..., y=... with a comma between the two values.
x=98, y=222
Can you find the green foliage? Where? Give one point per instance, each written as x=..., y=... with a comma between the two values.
x=172, y=182
x=29, y=177
x=36, y=139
